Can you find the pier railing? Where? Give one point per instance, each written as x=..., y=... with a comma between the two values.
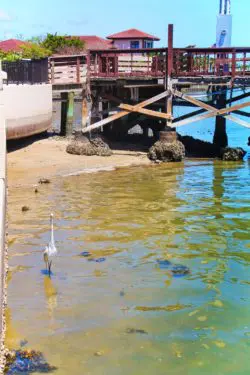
x=127, y=63
x=67, y=69
x=191, y=62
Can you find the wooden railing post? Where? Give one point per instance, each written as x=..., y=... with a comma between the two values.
x=78, y=75
x=52, y=71
x=170, y=50
x=168, y=85
x=233, y=64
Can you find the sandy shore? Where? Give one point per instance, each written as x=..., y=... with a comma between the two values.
x=47, y=158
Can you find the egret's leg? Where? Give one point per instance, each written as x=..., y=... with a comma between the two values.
x=49, y=264
x=46, y=261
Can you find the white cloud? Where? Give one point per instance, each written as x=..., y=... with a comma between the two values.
x=4, y=16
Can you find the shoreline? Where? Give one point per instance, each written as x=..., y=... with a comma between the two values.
x=47, y=158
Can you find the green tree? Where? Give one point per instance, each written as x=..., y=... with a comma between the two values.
x=56, y=43
x=34, y=51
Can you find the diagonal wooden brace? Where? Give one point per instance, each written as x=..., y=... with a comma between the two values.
x=125, y=112
x=212, y=111
x=147, y=112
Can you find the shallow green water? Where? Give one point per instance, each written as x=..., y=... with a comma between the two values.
x=196, y=214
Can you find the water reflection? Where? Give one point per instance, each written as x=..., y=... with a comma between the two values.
x=196, y=215
x=51, y=297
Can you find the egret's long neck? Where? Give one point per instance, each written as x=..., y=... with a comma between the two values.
x=52, y=230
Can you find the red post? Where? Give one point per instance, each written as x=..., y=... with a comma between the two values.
x=170, y=50
x=233, y=64
x=78, y=69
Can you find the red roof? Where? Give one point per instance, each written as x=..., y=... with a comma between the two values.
x=95, y=42
x=132, y=34
x=12, y=45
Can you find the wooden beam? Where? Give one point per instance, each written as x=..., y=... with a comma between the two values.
x=216, y=112
x=190, y=114
x=233, y=108
x=194, y=101
x=105, y=121
x=194, y=119
x=144, y=111
x=239, y=97
x=152, y=100
x=121, y=114
x=238, y=121
x=242, y=113
x=112, y=98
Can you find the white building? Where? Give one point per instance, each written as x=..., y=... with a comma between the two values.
x=224, y=25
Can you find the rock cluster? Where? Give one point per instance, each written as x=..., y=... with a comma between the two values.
x=81, y=145
x=27, y=362
x=233, y=154
x=167, y=152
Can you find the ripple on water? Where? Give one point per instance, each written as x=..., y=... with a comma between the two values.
x=194, y=216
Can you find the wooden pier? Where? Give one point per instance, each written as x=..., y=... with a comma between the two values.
x=149, y=82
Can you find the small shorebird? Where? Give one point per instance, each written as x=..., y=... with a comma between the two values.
x=50, y=250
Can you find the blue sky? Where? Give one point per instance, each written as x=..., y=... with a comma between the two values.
x=194, y=20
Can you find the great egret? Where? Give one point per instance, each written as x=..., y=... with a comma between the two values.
x=50, y=250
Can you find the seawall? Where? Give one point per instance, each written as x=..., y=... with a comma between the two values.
x=28, y=109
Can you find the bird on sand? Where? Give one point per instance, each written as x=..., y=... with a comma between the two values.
x=50, y=250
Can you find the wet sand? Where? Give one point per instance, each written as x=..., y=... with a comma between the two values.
x=47, y=158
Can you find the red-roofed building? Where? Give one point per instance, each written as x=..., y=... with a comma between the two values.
x=95, y=42
x=132, y=39
x=13, y=45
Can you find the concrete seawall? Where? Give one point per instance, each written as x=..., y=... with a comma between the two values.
x=3, y=255
x=28, y=109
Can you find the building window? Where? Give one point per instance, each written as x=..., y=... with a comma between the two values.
x=135, y=44
x=148, y=44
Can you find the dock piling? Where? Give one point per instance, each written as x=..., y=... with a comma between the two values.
x=70, y=113
x=64, y=101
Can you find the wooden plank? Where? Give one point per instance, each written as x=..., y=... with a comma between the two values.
x=152, y=100
x=233, y=108
x=144, y=111
x=242, y=113
x=124, y=113
x=194, y=101
x=238, y=121
x=194, y=119
x=191, y=114
x=217, y=112
x=105, y=121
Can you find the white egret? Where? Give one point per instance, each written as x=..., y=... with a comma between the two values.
x=50, y=250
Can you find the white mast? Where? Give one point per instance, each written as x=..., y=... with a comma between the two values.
x=224, y=25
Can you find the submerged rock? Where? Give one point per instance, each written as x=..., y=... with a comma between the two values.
x=179, y=270
x=44, y=181
x=233, y=154
x=27, y=362
x=25, y=208
x=135, y=330
x=166, y=151
x=81, y=145
x=97, y=260
x=85, y=254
